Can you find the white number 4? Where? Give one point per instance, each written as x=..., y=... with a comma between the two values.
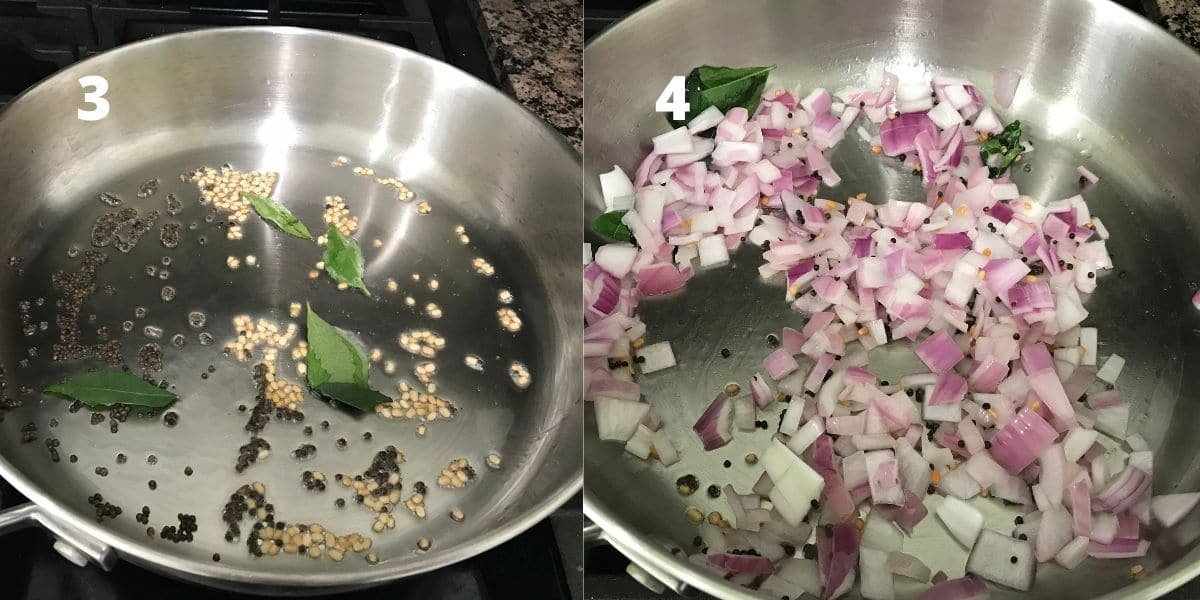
x=673, y=99
x=95, y=97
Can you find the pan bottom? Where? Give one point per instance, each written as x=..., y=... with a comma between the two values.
x=434, y=264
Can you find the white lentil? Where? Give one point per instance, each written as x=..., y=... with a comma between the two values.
x=483, y=267
x=519, y=373
x=225, y=189
x=509, y=320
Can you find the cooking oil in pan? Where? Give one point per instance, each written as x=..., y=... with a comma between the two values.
x=433, y=263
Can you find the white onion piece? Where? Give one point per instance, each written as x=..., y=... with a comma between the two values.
x=803, y=575
x=959, y=484
x=1004, y=86
x=1111, y=369
x=876, y=580
x=962, y=520
x=806, y=435
x=883, y=475
x=907, y=565
x=657, y=356
x=914, y=469
x=713, y=251
x=1104, y=527
x=617, y=420
x=707, y=119
x=617, y=259
x=616, y=184
x=1077, y=442
x=1113, y=420
x=1137, y=443
x=945, y=116
x=879, y=533
x=1054, y=533
x=667, y=453
x=992, y=558
x=1072, y=554
x=639, y=445
x=1170, y=509
x=796, y=484
x=1087, y=340
x=744, y=413
x=676, y=141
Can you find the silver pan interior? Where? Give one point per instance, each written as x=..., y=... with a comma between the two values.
x=290, y=101
x=1102, y=87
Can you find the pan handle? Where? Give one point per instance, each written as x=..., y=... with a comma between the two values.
x=656, y=580
x=73, y=544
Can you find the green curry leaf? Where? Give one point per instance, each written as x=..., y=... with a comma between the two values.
x=344, y=259
x=276, y=213
x=108, y=387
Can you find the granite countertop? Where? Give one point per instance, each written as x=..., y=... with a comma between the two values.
x=1180, y=17
x=536, y=48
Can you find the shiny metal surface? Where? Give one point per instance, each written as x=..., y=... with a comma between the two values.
x=291, y=100
x=1102, y=87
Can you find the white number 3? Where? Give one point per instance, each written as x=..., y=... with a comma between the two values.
x=673, y=99
x=95, y=97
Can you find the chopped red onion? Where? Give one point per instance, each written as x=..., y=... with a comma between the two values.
x=779, y=364
x=742, y=563
x=715, y=426
x=939, y=352
x=907, y=565
x=1118, y=549
x=883, y=474
x=1124, y=490
x=963, y=588
x=1004, y=86
x=970, y=270
x=1022, y=440
x=837, y=554
x=760, y=391
x=899, y=135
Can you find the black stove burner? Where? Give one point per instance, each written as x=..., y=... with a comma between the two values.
x=542, y=563
x=39, y=37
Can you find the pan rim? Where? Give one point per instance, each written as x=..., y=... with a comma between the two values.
x=619, y=532
x=218, y=574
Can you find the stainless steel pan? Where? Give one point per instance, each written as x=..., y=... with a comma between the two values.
x=291, y=101
x=1101, y=86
